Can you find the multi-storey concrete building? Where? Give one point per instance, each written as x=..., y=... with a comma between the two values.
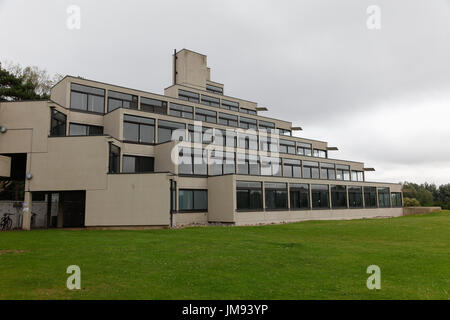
x=118, y=157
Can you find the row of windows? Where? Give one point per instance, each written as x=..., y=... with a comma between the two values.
x=212, y=101
x=315, y=196
x=92, y=99
x=218, y=136
x=195, y=161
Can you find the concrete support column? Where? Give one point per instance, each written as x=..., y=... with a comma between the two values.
x=26, y=211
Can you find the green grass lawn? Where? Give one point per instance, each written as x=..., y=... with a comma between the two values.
x=308, y=260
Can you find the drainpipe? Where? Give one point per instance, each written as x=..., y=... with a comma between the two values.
x=173, y=188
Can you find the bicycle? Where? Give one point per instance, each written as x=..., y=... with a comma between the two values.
x=6, y=222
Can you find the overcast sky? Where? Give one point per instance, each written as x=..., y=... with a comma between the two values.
x=381, y=96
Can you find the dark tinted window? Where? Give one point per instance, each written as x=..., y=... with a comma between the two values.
x=320, y=196
x=153, y=105
x=249, y=195
x=339, y=196
x=210, y=101
x=192, y=200
x=138, y=164
x=121, y=100
x=188, y=95
x=76, y=129
x=299, y=196
x=138, y=129
x=58, y=124
x=370, y=197
x=87, y=98
x=168, y=128
x=114, y=158
x=276, y=195
x=355, y=197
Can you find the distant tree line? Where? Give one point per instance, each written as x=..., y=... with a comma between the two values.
x=426, y=195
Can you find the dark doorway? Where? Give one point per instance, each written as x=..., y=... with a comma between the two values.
x=73, y=208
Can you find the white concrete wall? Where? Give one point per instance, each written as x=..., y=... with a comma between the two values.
x=267, y=217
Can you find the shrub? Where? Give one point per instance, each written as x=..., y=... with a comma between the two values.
x=411, y=202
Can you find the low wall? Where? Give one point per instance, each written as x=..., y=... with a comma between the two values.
x=409, y=211
x=268, y=217
x=190, y=218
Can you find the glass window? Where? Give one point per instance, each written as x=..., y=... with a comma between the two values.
x=114, y=158
x=248, y=141
x=304, y=149
x=230, y=105
x=168, y=130
x=230, y=138
x=205, y=115
x=153, y=105
x=215, y=89
x=287, y=146
x=270, y=166
x=342, y=172
x=370, y=197
x=338, y=196
x=357, y=176
x=87, y=98
x=192, y=161
x=249, y=195
x=265, y=125
x=285, y=132
x=181, y=111
x=327, y=171
x=200, y=134
x=292, y=168
x=221, y=163
x=268, y=143
x=383, y=198
x=320, y=196
x=247, y=123
x=138, y=129
x=249, y=111
x=76, y=129
x=210, y=101
x=138, y=164
x=396, y=199
x=121, y=100
x=276, y=195
x=228, y=119
x=58, y=124
x=299, y=195
x=248, y=164
x=310, y=170
x=192, y=200
x=188, y=96
x=355, y=197
x=320, y=153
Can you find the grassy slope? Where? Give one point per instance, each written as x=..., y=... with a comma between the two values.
x=309, y=260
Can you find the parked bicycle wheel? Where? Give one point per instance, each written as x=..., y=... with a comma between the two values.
x=8, y=224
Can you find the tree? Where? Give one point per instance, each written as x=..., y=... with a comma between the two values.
x=29, y=83
x=421, y=193
x=13, y=88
